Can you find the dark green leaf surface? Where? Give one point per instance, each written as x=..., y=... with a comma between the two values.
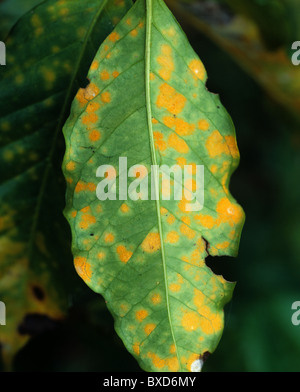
x=48, y=55
x=147, y=101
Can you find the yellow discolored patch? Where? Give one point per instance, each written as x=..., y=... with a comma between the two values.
x=136, y=348
x=71, y=165
x=229, y=212
x=216, y=145
x=203, y=125
x=104, y=75
x=171, y=219
x=140, y=315
x=175, y=287
x=90, y=118
x=170, y=99
x=109, y=237
x=149, y=328
x=158, y=363
x=178, y=144
x=172, y=237
x=92, y=107
x=156, y=299
x=80, y=97
x=106, y=97
x=86, y=221
x=73, y=214
x=115, y=74
x=124, y=208
x=94, y=135
x=95, y=65
x=232, y=145
x=165, y=60
x=206, y=221
x=151, y=243
x=181, y=127
x=134, y=33
x=83, y=268
x=91, y=91
x=114, y=36
x=83, y=186
x=124, y=254
x=190, y=321
x=197, y=67
x=159, y=142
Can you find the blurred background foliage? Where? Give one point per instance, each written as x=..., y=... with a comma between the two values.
x=246, y=48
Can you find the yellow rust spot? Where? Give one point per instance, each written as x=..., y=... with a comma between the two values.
x=106, y=97
x=70, y=166
x=203, y=125
x=190, y=321
x=134, y=33
x=232, y=145
x=172, y=237
x=170, y=99
x=83, y=186
x=229, y=212
x=165, y=60
x=151, y=243
x=114, y=36
x=152, y=76
x=90, y=118
x=158, y=363
x=86, y=221
x=94, y=135
x=109, y=237
x=181, y=127
x=197, y=67
x=104, y=75
x=124, y=254
x=154, y=121
x=95, y=65
x=92, y=107
x=101, y=255
x=171, y=219
x=171, y=363
x=156, y=299
x=115, y=74
x=186, y=230
x=83, y=268
x=172, y=349
x=178, y=144
x=149, y=328
x=80, y=97
x=124, y=208
x=73, y=214
x=216, y=145
x=91, y=91
x=206, y=221
x=175, y=287
x=140, y=315
x=136, y=348
x=159, y=142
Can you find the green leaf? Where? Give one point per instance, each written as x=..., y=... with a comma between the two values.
x=11, y=11
x=147, y=101
x=247, y=34
x=48, y=55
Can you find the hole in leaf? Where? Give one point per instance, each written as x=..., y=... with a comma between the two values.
x=223, y=265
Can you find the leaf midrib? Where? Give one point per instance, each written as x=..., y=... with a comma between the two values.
x=149, y=14
x=58, y=130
